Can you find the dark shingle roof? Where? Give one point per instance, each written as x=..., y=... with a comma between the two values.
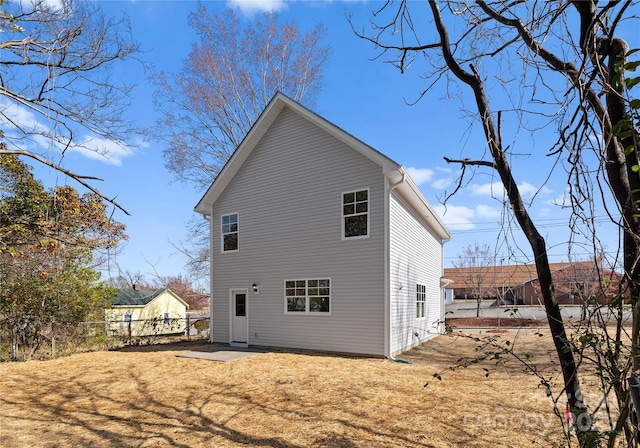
x=132, y=297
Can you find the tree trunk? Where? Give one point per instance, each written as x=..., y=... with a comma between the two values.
x=14, y=344
x=537, y=242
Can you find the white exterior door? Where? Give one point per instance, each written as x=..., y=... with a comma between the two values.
x=239, y=329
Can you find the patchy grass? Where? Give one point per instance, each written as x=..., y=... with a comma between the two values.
x=149, y=397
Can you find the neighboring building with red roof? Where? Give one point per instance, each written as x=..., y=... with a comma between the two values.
x=575, y=283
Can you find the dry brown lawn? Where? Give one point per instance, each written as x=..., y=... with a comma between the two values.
x=149, y=397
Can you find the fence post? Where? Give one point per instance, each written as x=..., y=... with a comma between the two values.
x=188, y=328
x=14, y=344
x=53, y=339
x=129, y=329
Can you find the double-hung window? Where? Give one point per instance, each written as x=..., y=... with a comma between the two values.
x=230, y=232
x=421, y=300
x=307, y=296
x=355, y=214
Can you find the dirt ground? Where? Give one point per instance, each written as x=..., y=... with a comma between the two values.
x=149, y=397
x=494, y=322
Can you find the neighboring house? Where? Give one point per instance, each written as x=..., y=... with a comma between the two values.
x=320, y=242
x=575, y=283
x=146, y=312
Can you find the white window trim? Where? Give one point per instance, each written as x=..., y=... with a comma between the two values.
x=222, y=233
x=342, y=216
x=307, y=312
x=423, y=301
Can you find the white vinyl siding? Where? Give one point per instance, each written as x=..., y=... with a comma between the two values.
x=288, y=192
x=415, y=258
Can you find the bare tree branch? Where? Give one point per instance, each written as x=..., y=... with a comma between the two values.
x=77, y=177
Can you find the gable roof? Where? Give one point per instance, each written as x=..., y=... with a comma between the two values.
x=395, y=172
x=134, y=297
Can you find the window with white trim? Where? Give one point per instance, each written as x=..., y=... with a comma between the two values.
x=229, y=232
x=307, y=296
x=127, y=317
x=355, y=214
x=166, y=319
x=421, y=300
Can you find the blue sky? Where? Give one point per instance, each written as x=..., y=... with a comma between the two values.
x=366, y=98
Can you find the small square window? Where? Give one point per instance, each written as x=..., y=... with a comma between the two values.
x=296, y=304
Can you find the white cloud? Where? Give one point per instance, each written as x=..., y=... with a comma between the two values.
x=104, y=150
x=495, y=189
x=21, y=115
x=92, y=147
x=420, y=175
x=492, y=189
x=441, y=184
x=456, y=216
x=459, y=217
x=526, y=189
x=53, y=4
x=250, y=7
x=486, y=211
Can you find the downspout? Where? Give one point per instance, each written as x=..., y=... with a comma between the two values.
x=387, y=267
x=209, y=218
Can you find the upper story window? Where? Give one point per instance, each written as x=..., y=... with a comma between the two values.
x=230, y=232
x=421, y=300
x=355, y=214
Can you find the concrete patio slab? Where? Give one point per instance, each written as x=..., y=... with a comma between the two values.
x=221, y=354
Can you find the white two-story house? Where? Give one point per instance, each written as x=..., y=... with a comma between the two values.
x=320, y=242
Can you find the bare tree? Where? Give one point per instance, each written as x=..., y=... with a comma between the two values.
x=472, y=264
x=558, y=66
x=129, y=280
x=56, y=90
x=228, y=78
x=207, y=108
x=182, y=286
